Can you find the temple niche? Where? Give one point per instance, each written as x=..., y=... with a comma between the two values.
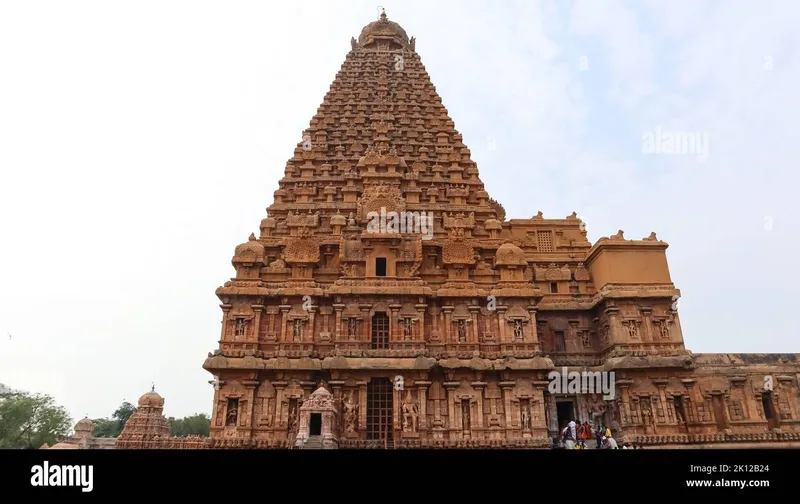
x=385, y=270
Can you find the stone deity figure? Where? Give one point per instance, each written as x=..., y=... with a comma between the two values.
x=292, y=419
x=462, y=330
x=232, y=416
x=410, y=414
x=350, y=414
x=526, y=419
x=518, y=329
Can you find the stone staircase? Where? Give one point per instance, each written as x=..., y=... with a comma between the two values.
x=313, y=443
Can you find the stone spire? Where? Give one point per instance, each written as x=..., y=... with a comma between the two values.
x=381, y=122
x=147, y=424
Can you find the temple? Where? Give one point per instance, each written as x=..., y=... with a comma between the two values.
x=388, y=301
x=82, y=439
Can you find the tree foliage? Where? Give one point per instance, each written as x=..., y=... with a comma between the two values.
x=30, y=420
x=112, y=427
x=197, y=425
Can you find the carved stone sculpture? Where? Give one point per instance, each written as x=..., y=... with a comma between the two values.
x=410, y=413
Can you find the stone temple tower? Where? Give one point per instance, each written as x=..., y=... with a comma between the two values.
x=384, y=267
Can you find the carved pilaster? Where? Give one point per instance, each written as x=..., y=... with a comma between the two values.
x=362, y=406
x=507, y=387
x=281, y=415
x=615, y=337
x=452, y=418
x=501, y=322
x=422, y=308
x=395, y=333
x=532, y=330
x=226, y=310
x=284, y=321
x=422, y=388
x=339, y=308
x=448, y=310
x=479, y=387
x=258, y=309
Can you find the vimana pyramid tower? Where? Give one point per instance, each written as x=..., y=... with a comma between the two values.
x=388, y=302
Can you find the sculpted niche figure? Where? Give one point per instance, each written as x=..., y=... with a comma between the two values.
x=526, y=419
x=350, y=414
x=518, y=334
x=410, y=414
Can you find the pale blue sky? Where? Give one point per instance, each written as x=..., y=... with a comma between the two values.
x=141, y=142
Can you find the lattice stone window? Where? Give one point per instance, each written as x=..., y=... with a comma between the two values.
x=380, y=331
x=703, y=414
x=784, y=408
x=561, y=344
x=736, y=411
x=545, y=240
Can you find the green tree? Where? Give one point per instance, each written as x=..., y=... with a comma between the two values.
x=112, y=427
x=30, y=420
x=197, y=424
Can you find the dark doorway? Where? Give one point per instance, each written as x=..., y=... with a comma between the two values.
x=769, y=410
x=566, y=413
x=379, y=409
x=380, y=267
x=315, y=425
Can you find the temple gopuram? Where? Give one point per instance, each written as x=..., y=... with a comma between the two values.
x=388, y=301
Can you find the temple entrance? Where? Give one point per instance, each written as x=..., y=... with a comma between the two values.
x=769, y=410
x=380, y=410
x=565, y=411
x=315, y=425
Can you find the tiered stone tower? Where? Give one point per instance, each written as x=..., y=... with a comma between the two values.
x=148, y=429
x=385, y=269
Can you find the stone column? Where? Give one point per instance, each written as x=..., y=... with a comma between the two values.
x=479, y=386
x=648, y=331
x=397, y=404
x=473, y=311
x=284, y=320
x=616, y=337
x=366, y=326
x=281, y=416
x=226, y=310
x=539, y=404
x=309, y=335
x=627, y=405
x=422, y=387
x=662, y=396
x=338, y=333
x=362, y=406
x=395, y=334
x=501, y=323
x=451, y=391
x=250, y=397
x=420, y=334
x=258, y=310
x=338, y=401
x=507, y=387
x=448, y=330
x=532, y=332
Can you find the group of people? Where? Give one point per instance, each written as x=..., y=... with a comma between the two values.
x=574, y=437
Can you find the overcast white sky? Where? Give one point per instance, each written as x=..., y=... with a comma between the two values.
x=140, y=142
